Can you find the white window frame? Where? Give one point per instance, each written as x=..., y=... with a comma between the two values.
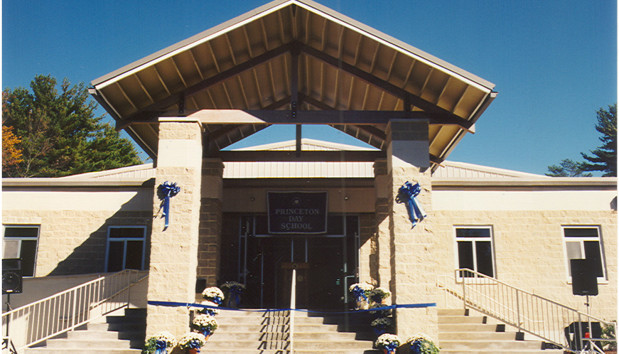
x=474, y=239
x=581, y=240
x=125, y=240
x=20, y=239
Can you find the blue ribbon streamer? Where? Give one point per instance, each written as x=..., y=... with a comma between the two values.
x=235, y=292
x=389, y=307
x=406, y=195
x=165, y=191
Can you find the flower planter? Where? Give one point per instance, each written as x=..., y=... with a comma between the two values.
x=193, y=351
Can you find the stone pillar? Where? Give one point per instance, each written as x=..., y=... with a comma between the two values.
x=414, y=257
x=210, y=220
x=174, y=251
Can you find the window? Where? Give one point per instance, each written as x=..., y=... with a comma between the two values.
x=125, y=248
x=475, y=252
x=20, y=241
x=583, y=242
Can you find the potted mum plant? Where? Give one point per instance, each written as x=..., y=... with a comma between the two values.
x=388, y=343
x=233, y=291
x=382, y=325
x=213, y=294
x=422, y=344
x=192, y=342
x=211, y=310
x=204, y=324
x=159, y=343
x=361, y=292
x=378, y=295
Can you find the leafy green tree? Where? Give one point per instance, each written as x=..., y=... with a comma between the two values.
x=60, y=134
x=604, y=158
x=567, y=168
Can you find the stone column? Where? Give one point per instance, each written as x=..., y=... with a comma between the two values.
x=210, y=220
x=414, y=258
x=174, y=250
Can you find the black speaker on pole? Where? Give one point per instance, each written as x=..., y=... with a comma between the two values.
x=11, y=276
x=584, y=280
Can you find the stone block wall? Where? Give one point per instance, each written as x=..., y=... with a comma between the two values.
x=74, y=241
x=529, y=250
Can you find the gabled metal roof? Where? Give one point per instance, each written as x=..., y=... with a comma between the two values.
x=293, y=55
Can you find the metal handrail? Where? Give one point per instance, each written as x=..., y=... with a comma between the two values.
x=62, y=312
x=544, y=318
x=293, y=307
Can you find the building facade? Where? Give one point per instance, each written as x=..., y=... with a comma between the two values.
x=330, y=211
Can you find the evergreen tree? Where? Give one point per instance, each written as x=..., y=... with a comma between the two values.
x=604, y=158
x=567, y=168
x=60, y=134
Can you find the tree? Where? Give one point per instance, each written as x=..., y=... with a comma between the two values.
x=568, y=168
x=60, y=134
x=604, y=158
x=11, y=154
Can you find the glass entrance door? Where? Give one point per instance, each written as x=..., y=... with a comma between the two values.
x=323, y=263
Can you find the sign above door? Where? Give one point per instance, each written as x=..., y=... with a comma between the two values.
x=297, y=212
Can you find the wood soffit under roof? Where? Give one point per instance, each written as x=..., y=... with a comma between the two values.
x=294, y=56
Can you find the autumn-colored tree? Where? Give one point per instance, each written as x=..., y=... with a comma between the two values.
x=11, y=153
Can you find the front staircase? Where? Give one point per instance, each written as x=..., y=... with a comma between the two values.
x=268, y=332
x=462, y=332
x=118, y=333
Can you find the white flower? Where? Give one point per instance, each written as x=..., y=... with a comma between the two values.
x=211, y=310
x=386, y=340
x=419, y=337
x=212, y=293
x=192, y=340
x=363, y=286
x=231, y=284
x=202, y=322
x=166, y=337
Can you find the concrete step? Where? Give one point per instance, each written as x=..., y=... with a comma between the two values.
x=89, y=343
x=468, y=327
x=486, y=344
x=477, y=335
x=462, y=319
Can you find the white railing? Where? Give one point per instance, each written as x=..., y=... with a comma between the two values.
x=528, y=312
x=69, y=309
x=293, y=307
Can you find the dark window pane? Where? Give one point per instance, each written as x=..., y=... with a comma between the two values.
x=133, y=232
x=472, y=232
x=134, y=255
x=335, y=225
x=115, y=256
x=465, y=254
x=592, y=254
x=262, y=227
x=21, y=231
x=28, y=255
x=581, y=232
x=484, y=257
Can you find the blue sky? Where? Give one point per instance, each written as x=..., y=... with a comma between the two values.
x=554, y=62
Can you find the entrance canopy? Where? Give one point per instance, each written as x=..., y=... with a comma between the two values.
x=293, y=62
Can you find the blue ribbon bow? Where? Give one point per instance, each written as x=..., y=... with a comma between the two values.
x=406, y=195
x=391, y=347
x=359, y=294
x=165, y=191
x=206, y=332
